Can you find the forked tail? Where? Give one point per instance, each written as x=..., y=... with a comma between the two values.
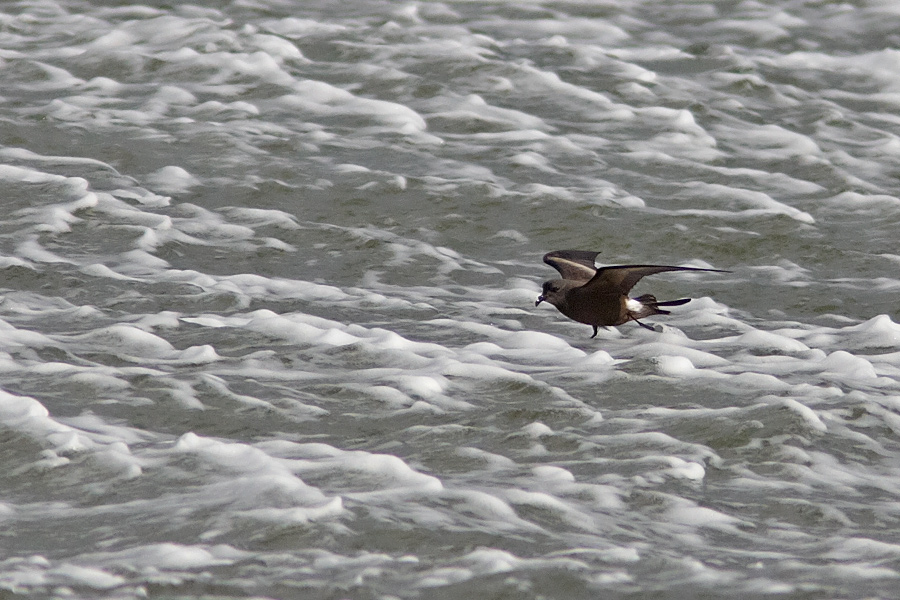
x=650, y=306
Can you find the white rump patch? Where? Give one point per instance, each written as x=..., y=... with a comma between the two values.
x=633, y=305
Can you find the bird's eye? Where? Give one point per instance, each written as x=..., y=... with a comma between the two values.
x=554, y=288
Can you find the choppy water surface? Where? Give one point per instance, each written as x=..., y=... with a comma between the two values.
x=268, y=277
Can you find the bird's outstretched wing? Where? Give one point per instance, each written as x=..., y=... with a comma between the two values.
x=622, y=278
x=577, y=265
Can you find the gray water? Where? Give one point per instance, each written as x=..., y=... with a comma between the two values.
x=268, y=329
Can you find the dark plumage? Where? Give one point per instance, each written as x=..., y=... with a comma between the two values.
x=599, y=297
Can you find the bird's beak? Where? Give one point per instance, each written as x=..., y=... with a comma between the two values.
x=539, y=300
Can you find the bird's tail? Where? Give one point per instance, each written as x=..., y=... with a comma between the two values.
x=651, y=305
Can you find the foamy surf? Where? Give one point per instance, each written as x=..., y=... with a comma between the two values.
x=268, y=329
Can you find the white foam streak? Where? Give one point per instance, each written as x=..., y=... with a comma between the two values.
x=322, y=99
x=29, y=417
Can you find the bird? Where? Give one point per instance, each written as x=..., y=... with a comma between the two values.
x=599, y=297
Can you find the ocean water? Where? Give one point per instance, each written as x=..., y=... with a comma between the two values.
x=267, y=283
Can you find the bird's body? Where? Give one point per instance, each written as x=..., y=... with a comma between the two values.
x=599, y=297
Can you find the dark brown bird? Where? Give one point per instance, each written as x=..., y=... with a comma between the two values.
x=599, y=297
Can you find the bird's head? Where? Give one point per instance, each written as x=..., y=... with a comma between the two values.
x=554, y=292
